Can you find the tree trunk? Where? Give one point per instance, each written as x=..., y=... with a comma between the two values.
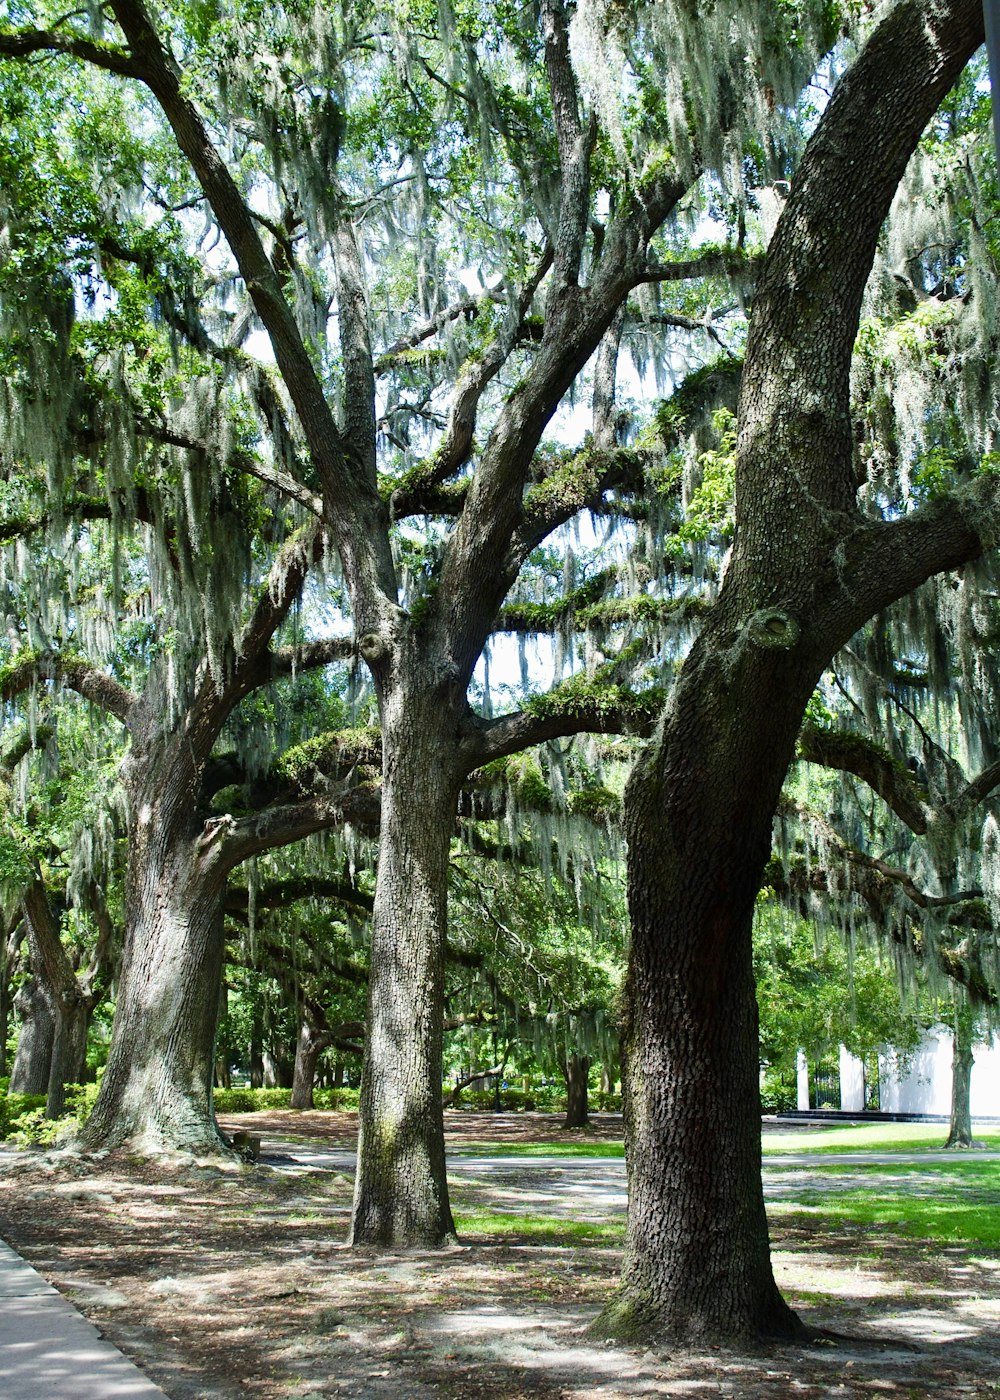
x=401, y=1191
x=806, y=572
x=309, y=1047
x=257, y=1050
x=156, y=1094
x=698, y=814
x=71, y=1002
x=69, y=1052
x=962, y=1060
x=576, y=1068
x=33, y=1060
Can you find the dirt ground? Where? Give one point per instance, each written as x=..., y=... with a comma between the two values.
x=226, y=1281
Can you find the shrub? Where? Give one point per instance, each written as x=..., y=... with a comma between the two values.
x=259, y=1100
x=14, y=1107
x=341, y=1099
x=23, y=1120
x=236, y=1100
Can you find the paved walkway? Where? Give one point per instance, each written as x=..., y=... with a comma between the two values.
x=49, y=1351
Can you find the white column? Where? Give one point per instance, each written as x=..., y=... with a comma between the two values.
x=852, y=1082
x=802, y=1098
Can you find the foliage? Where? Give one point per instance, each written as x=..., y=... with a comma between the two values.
x=246, y=1100
x=816, y=998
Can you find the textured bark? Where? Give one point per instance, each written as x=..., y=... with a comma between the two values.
x=576, y=1068
x=156, y=1094
x=698, y=822
x=962, y=1060
x=308, y=1048
x=401, y=1190
x=71, y=999
x=806, y=571
x=33, y=1058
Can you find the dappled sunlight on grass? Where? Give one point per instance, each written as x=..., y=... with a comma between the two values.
x=869, y=1137
x=503, y=1227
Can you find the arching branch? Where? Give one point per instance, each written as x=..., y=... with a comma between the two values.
x=83, y=677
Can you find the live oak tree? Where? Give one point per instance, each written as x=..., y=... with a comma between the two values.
x=810, y=564
x=324, y=146
x=472, y=125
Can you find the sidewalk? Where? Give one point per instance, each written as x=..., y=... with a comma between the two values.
x=49, y=1351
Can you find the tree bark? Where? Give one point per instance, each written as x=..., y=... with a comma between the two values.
x=33, y=1058
x=308, y=1048
x=156, y=1094
x=962, y=1060
x=401, y=1190
x=698, y=823
x=70, y=1002
x=576, y=1068
x=806, y=572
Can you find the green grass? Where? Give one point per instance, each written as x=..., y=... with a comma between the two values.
x=871, y=1137
x=504, y=1227
x=948, y=1204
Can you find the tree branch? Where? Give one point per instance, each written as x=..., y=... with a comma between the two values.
x=22, y=43
x=352, y=506
x=854, y=753
x=237, y=840
x=93, y=684
x=576, y=707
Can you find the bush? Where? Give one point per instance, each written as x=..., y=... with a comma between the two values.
x=778, y=1090
x=259, y=1100
x=14, y=1108
x=342, y=1099
x=23, y=1120
x=236, y=1100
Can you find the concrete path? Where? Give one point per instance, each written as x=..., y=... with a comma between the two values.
x=49, y=1351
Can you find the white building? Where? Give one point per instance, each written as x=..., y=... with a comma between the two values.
x=923, y=1086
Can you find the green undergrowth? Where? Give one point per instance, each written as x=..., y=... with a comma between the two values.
x=245, y=1100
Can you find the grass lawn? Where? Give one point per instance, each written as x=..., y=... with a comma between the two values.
x=870, y=1137
x=946, y=1203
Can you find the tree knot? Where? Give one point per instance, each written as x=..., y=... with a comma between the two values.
x=773, y=628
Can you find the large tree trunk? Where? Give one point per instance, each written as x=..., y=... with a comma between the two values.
x=576, y=1068
x=156, y=1094
x=806, y=572
x=401, y=1191
x=310, y=1045
x=962, y=1060
x=698, y=821
x=33, y=1060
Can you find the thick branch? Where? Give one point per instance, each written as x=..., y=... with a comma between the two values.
x=94, y=685
x=881, y=562
x=353, y=509
x=716, y=262
x=853, y=753
x=237, y=841
x=22, y=43
x=572, y=708
x=278, y=894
